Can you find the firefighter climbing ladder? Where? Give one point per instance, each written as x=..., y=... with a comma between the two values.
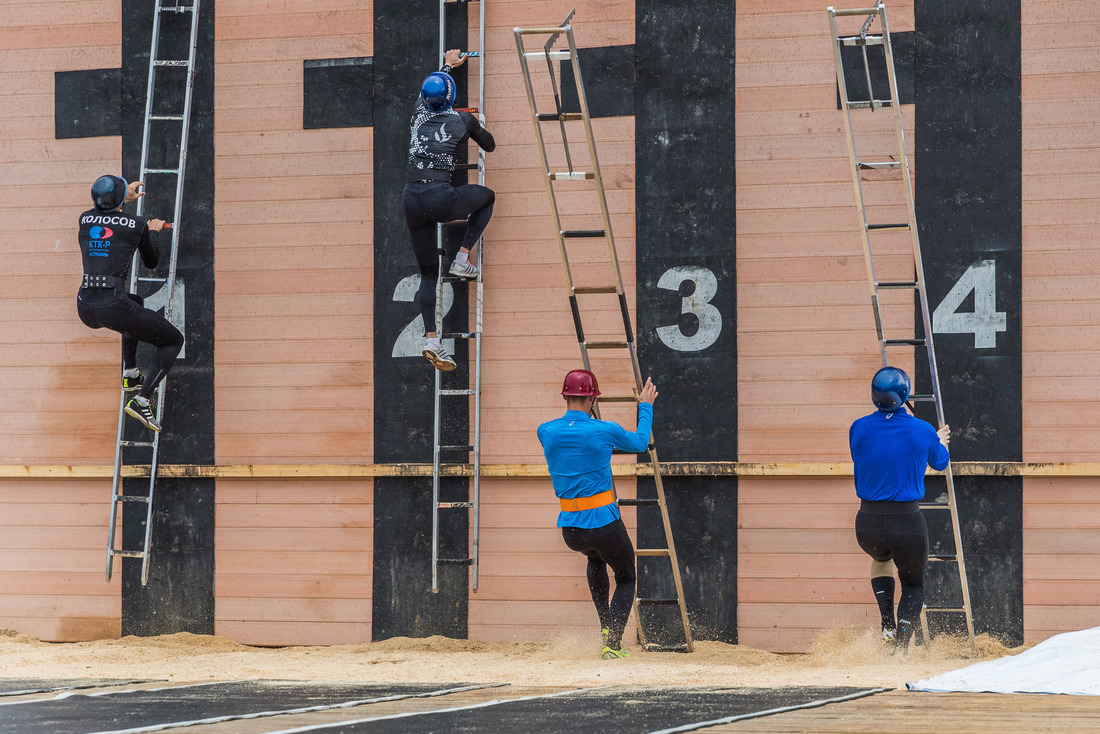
x=872, y=231
x=153, y=178
x=471, y=443
x=592, y=182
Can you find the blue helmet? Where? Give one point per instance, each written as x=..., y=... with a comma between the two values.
x=438, y=91
x=109, y=193
x=889, y=389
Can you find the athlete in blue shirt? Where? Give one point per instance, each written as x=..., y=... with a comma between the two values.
x=578, y=453
x=890, y=450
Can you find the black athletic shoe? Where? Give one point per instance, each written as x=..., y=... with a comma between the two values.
x=133, y=384
x=143, y=413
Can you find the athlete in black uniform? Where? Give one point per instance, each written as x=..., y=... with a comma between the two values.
x=108, y=239
x=428, y=198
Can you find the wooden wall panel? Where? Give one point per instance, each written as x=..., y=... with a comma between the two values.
x=293, y=257
x=293, y=561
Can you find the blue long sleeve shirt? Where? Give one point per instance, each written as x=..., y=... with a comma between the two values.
x=578, y=452
x=890, y=451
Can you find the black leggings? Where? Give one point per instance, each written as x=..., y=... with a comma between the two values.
x=607, y=546
x=902, y=539
x=127, y=315
x=427, y=204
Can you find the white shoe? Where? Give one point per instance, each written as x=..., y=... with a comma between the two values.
x=463, y=270
x=439, y=358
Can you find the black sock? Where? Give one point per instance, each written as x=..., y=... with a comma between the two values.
x=883, y=586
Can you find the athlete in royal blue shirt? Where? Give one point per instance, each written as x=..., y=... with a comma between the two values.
x=890, y=450
x=578, y=453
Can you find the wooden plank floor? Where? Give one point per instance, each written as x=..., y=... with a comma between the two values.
x=902, y=712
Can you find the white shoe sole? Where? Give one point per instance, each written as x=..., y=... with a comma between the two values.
x=443, y=365
x=467, y=276
x=141, y=419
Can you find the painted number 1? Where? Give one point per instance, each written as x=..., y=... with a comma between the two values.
x=985, y=320
x=697, y=304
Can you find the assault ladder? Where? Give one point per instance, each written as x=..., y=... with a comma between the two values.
x=589, y=183
x=171, y=33
x=444, y=442
x=872, y=172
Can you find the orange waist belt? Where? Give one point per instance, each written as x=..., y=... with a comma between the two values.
x=603, y=499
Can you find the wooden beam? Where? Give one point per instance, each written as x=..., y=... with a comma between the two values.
x=671, y=468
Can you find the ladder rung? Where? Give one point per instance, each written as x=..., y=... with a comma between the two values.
x=555, y=117
x=467, y=166
x=553, y=56
x=617, y=399
x=867, y=40
x=131, y=498
x=456, y=392
x=896, y=285
x=606, y=345
x=592, y=289
x=583, y=233
x=172, y=62
x=651, y=552
x=460, y=335
x=152, y=280
x=128, y=554
x=878, y=103
x=854, y=11
x=655, y=647
x=455, y=505
x=178, y=9
x=943, y=557
x=672, y=600
x=136, y=443
x=166, y=117
x=456, y=448
x=879, y=166
x=935, y=505
x=903, y=342
x=454, y=561
x=923, y=398
x=172, y=171
x=644, y=502
x=572, y=176
x=887, y=227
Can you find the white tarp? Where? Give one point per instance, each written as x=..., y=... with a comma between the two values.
x=1066, y=663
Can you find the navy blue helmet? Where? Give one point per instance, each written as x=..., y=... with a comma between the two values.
x=438, y=91
x=109, y=193
x=889, y=389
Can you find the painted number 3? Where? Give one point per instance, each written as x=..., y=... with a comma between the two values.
x=985, y=320
x=697, y=304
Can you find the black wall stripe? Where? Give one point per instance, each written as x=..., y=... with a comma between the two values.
x=685, y=210
x=406, y=38
x=180, y=593
x=337, y=92
x=86, y=103
x=968, y=165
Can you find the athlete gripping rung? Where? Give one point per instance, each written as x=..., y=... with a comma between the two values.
x=136, y=443
x=571, y=176
x=878, y=104
x=455, y=505
x=172, y=62
x=903, y=342
x=660, y=601
x=651, y=552
x=606, y=345
x=583, y=233
x=555, y=117
x=454, y=561
x=887, y=227
x=592, y=289
x=553, y=55
x=879, y=166
x=896, y=285
x=638, y=502
x=457, y=392
x=860, y=40
x=166, y=117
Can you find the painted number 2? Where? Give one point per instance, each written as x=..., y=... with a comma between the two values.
x=697, y=304
x=985, y=320
x=410, y=341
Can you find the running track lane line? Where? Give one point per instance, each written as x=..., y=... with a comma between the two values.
x=303, y=710
x=769, y=712
x=94, y=694
x=484, y=704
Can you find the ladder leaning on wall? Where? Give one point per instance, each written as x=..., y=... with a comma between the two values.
x=177, y=73
x=447, y=443
x=872, y=170
x=590, y=185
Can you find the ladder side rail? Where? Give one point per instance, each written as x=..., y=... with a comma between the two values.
x=595, y=161
x=116, y=486
x=475, y=543
x=146, y=547
x=154, y=48
x=927, y=318
x=671, y=546
x=849, y=136
x=436, y=433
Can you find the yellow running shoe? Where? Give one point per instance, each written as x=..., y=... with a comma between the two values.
x=611, y=654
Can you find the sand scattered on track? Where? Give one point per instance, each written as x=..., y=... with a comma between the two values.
x=838, y=657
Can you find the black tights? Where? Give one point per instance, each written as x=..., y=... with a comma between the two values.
x=427, y=204
x=127, y=315
x=607, y=546
x=902, y=539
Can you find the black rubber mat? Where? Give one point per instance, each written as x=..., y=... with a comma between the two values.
x=190, y=704
x=614, y=710
x=23, y=686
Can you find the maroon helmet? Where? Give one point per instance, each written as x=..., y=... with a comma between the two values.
x=580, y=383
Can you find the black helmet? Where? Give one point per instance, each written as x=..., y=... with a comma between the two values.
x=109, y=193
x=889, y=389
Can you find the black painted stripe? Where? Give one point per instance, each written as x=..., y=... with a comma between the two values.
x=406, y=37
x=684, y=107
x=180, y=594
x=968, y=195
x=86, y=103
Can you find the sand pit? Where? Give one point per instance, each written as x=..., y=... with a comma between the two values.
x=840, y=657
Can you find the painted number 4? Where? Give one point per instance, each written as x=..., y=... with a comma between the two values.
x=985, y=320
